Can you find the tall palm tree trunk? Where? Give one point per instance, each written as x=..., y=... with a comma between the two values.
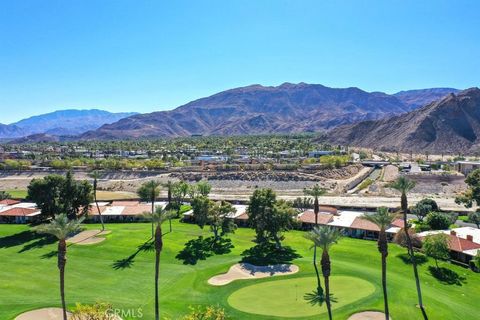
x=319, y=285
x=98, y=209
x=411, y=252
x=62, y=260
x=158, y=250
x=326, y=275
x=316, y=209
x=153, y=210
x=384, y=286
x=383, y=248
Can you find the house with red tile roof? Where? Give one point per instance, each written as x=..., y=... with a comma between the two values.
x=12, y=214
x=464, y=243
x=8, y=202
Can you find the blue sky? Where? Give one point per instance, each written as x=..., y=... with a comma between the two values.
x=153, y=55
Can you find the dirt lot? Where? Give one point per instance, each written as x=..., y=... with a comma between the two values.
x=117, y=185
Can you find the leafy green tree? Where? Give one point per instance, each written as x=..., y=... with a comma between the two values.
x=158, y=217
x=383, y=219
x=324, y=237
x=149, y=192
x=476, y=260
x=204, y=188
x=4, y=195
x=95, y=176
x=437, y=221
x=421, y=210
x=436, y=246
x=472, y=195
x=61, y=227
x=55, y=194
x=269, y=217
x=405, y=185
x=214, y=214
x=474, y=217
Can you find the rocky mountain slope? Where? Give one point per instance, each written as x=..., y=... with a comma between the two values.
x=451, y=124
x=258, y=109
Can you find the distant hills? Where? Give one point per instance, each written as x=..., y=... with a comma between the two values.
x=451, y=124
x=260, y=109
x=422, y=97
x=61, y=123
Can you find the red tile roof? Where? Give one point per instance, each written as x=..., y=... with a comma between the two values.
x=139, y=209
x=243, y=216
x=92, y=210
x=398, y=223
x=125, y=203
x=328, y=209
x=459, y=244
x=9, y=202
x=363, y=224
x=309, y=217
x=17, y=212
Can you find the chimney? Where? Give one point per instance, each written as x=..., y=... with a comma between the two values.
x=469, y=237
x=453, y=233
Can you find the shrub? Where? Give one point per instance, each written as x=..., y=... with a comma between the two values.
x=429, y=202
x=365, y=184
x=438, y=221
x=97, y=311
x=207, y=313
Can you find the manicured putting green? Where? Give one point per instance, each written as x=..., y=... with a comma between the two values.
x=285, y=298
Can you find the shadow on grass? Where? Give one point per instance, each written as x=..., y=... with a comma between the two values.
x=128, y=261
x=42, y=240
x=26, y=238
x=17, y=239
x=202, y=248
x=419, y=258
x=268, y=254
x=49, y=255
x=446, y=276
x=317, y=297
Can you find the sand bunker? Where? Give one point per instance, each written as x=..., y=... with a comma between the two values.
x=368, y=315
x=250, y=271
x=42, y=314
x=88, y=237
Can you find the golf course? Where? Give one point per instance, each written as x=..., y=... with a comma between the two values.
x=120, y=271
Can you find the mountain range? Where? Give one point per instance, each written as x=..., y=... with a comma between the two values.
x=61, y=123
x=260, y=109
x=449, y=125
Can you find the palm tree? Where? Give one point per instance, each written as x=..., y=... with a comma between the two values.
x=315, y=192
x=95, y=175
x=383, y=219
x=150, y=190
x=169, y=185
x=158, y=217
x=61, y=227
x=404, y=185
x=324, y=237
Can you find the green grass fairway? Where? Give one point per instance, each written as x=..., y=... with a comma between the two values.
x=120, y=271
x=17, y=194
x=285, y=298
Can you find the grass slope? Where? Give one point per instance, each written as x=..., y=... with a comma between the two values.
x=121, y=271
